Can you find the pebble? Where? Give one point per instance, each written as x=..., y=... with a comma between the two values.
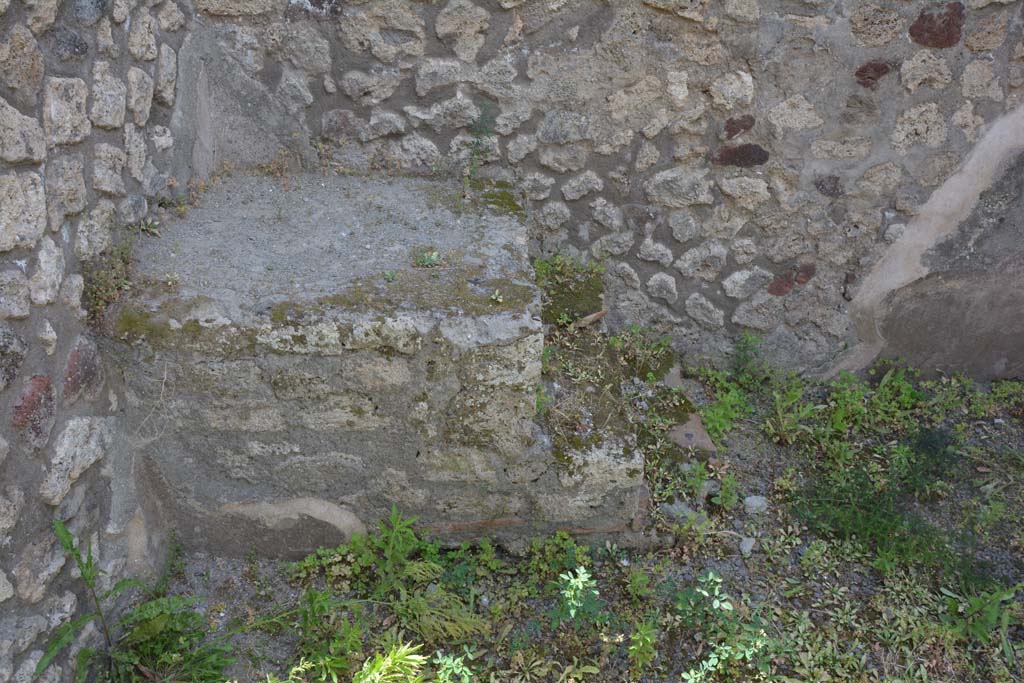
x=755, y=505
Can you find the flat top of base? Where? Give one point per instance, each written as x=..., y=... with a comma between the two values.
x=255, y=241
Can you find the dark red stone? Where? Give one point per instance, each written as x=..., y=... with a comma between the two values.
x=83, y=373
x=939, y=28
x=742, y=155
x=829, y=185
x=782, y=285
x=805, y=272
x=34, y=412
x=738, y=125
x=870, y=73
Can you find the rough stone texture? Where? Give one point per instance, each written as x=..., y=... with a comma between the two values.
x=64, y=115
x=83, y=442
x=140, y=95
x=108, y=97
x=22, y=210
x=65, y=184
x=33, y=415
x=313, y=375
x=21, y=65
x=789, y=161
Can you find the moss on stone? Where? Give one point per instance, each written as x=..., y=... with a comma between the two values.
x=572, y=290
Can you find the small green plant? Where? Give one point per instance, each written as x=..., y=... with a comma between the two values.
x=985, y=616
x=577, y=589
x=328, y=640
x=400, y=664
x=147, y=226
x=390, y=275
x=497, y=297
x=638, y=584
x=728, y=496
x=161, y=639
x=452, y=669
x=790, y=414
x=427, y=259
x=641, y=651
x=579, y=603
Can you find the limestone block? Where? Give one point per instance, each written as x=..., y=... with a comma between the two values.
x=22, y=210
x=463, y=27
x=142, y=36
x=108, y=97
x=21, y=65
x=140, y=95
x=64, y=111
x=83, y=442
x=166, y=76
x=397, y=363
x=45, y=281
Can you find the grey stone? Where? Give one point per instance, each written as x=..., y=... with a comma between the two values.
x=21, y=65
x=12, y=354
x=105, y=43
x=663, y=286
x=135, y=152
x=744, y=283
x=49, y=272
x=388, y=29
x=655, y=252
x=40, y=14
x=64, y=111
x=132, y=209
x=684, y=226
x=142, y=36
x=67, y=45
x=65, y=188
x=83, y=442
x=140, y=95
x=166, y=76
x=122, y=9
x=926, y=68
x=11, y=503
x=47, y=336
x=755, y=505
x=14, y=295
x=607, y=214
x=108, y=97
x=458, y=112
x=463, y=27
x=21, y=137
x=920, y=125
x=703, y=311
x=6, y=589
x=162, y=138
x=680, y=187
x=747, y=546
x=565, y=158
x=794, y=114
x=170, y=17
x=704, y=262
x=22, y=210
x=107, y=169
x=38, y=564
x=94, y=230
x=88, y=12
x=582, y=185
x=369, y=88
x=238, y=8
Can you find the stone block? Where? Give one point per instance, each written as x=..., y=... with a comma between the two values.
x=347, y=346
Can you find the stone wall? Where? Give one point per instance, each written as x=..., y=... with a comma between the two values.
x=796, y=168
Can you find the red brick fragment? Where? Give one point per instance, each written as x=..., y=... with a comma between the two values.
x=939, y=28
